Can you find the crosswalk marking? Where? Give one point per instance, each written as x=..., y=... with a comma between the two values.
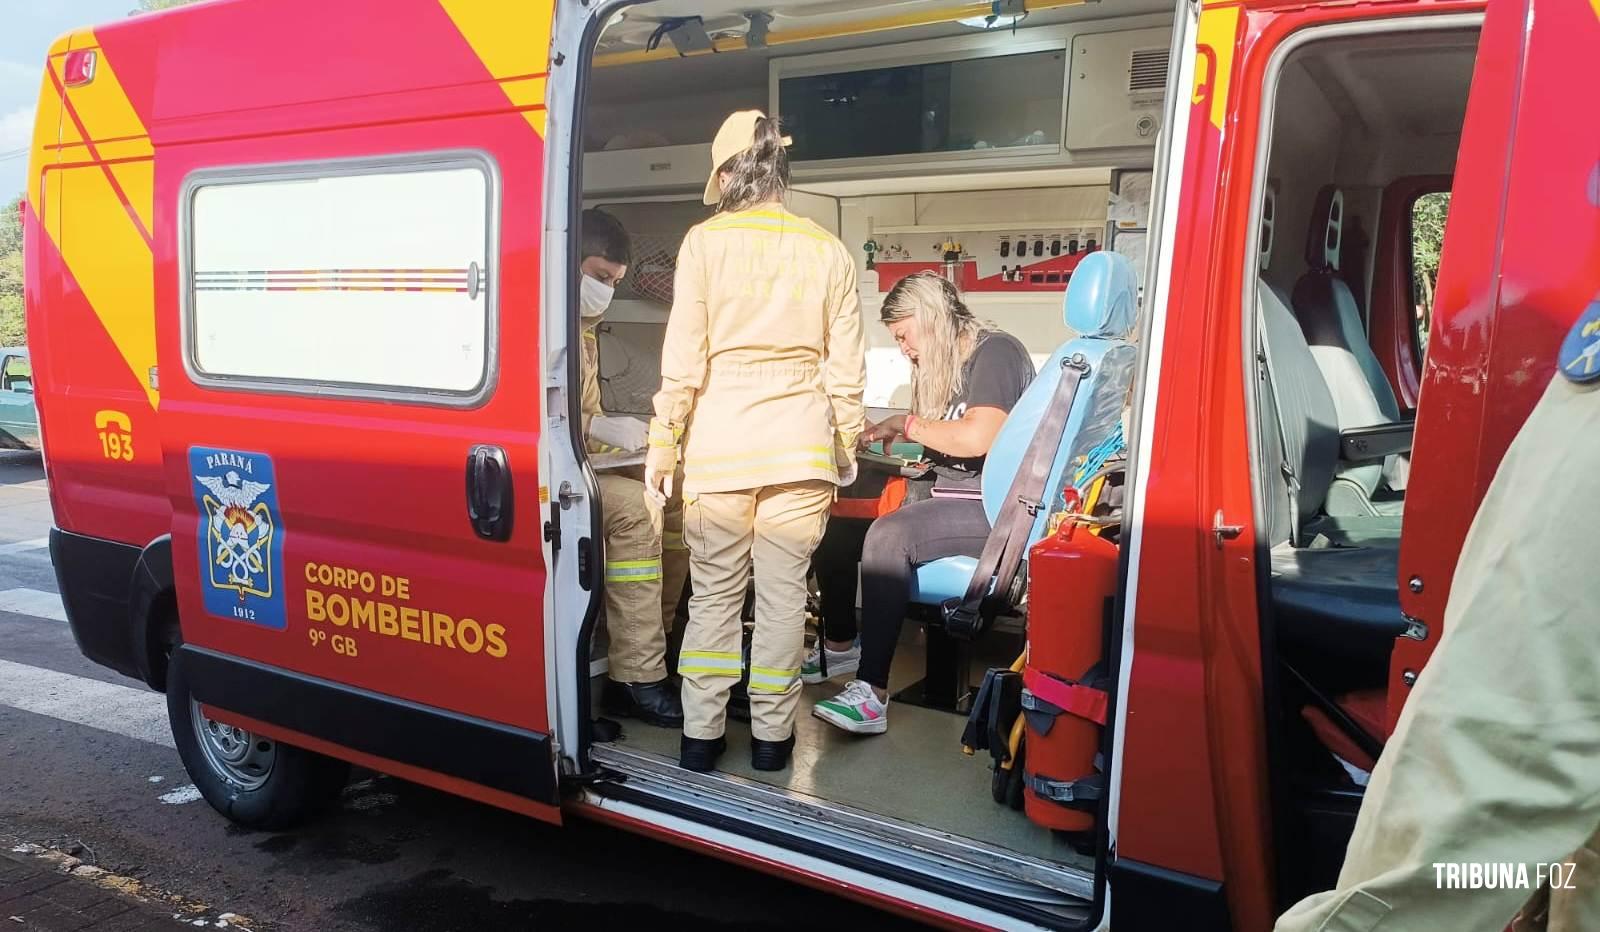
x=35, y=602
x=121, y=710
x=21, y=546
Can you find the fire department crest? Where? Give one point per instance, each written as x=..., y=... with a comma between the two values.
x=241, y=538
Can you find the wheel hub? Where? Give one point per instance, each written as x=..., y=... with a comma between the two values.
x=237, y=756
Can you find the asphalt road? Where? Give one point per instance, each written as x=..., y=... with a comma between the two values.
x=86, y=768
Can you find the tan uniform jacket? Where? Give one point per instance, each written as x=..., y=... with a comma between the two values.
x=1496, y=758
x=763, y=367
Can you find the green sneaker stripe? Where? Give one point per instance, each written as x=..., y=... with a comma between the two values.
x=848, y=711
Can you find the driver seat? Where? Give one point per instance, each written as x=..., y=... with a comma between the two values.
x=1332, y=323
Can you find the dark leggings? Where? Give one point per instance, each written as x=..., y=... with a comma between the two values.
x=894, y=546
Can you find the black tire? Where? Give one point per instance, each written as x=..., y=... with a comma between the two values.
x=1018, y=779
x=295, y=784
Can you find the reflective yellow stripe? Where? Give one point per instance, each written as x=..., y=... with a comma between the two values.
x=711, y=663
x=633, y=570
x=767, y=213
x=770, y=680
x=776, y=221
x=769, y=226
x=704, y=467
x=662, y=434
x=822, y=463
x=742, y=457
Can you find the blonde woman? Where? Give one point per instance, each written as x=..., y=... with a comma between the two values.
x=965, y=379
x=762, y=374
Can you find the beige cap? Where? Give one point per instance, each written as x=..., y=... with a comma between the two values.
x=737, y=134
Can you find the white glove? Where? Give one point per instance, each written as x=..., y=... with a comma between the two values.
x=624, y=433
x=847, y=474
x=657, y=484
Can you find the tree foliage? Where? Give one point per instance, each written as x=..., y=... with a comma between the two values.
x=12, y=332
x=1428, y=214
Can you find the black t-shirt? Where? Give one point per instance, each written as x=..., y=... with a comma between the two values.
x=995, y=376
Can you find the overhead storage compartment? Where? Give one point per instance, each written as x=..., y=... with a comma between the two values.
x=1119, y=81
x=658, y=169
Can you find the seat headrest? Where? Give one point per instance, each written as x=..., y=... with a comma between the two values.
x=1102, y=299
x=1269, y=225
x=1327, y=230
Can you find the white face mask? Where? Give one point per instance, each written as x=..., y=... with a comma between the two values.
x=594, y=297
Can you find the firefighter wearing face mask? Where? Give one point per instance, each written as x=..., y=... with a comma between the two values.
x=638, y=685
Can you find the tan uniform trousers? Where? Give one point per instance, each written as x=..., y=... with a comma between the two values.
x=777, y=527
x=674, y=558
x=1496, y=758
x=638, y=648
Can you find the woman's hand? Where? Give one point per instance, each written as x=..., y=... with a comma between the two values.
x=885, y=430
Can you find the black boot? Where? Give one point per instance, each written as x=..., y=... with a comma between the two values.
x=700, y=754
x=771, y=755
x=654, y=703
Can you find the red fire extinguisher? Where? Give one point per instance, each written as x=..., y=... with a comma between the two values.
x=1072, y=581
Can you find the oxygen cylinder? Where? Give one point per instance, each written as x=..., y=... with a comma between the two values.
x=1072, y=576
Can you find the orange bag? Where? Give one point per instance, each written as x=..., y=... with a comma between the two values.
x=854, y=501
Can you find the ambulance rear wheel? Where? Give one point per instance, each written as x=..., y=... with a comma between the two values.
x=252, y=779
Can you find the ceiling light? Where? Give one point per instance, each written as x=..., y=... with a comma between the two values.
x=1002, y=21
x=1003, y=14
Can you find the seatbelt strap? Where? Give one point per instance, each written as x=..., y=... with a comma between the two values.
x=1290, y=477
x=1002, y=552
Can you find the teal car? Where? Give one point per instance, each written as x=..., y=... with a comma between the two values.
x=19, y=420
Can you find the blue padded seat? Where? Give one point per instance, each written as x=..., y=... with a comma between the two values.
x=1102, y=309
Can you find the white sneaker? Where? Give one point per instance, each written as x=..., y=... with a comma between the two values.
x=840, y=662
x=857, y=710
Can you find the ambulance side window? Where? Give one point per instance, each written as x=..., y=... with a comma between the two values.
x=367, y=279
x=1428, y=213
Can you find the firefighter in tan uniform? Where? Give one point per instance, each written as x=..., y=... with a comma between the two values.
x=1496, y=758
x=762, y=374
x=638, y=684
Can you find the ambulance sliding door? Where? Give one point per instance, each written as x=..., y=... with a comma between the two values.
x=350, y=418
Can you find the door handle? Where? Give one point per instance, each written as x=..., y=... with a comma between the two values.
x=489, y=492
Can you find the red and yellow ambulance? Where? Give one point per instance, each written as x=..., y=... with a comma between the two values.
x=301, y=286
